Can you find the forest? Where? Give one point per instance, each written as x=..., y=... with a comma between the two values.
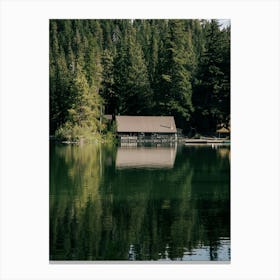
x=177, y=68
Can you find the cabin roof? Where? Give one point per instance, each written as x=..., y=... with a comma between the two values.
x=223, y=130
x=150, y=124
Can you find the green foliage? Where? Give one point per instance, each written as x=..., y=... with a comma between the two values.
x=181, y=69
x=175, y=70
x=75, y=133
x=139, y=67
x=108, y=82
x=212, y=88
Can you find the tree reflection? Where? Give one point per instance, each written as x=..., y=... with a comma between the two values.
x=98, y=212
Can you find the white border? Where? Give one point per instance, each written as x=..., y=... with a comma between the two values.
x=24, y=138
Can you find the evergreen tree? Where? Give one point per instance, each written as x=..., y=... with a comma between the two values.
x=212, y=90
x=75, y=79
x=120, y=72
x=162, y=76
x=153, y=53
x=174, y=88
x=132, y=86
x=107, y=89
x=59, y=80
x=139, y=96
x=181, y=68
x=84, y=114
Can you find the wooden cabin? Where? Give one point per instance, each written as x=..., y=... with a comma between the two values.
x=146, y=128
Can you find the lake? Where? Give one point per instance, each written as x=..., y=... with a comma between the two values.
x=164, y=203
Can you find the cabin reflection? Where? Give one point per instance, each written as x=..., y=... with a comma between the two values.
x=145, y=157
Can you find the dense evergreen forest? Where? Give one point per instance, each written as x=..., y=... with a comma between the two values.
x=138, y=67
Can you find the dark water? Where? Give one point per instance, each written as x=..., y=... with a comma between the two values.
x=128, y=203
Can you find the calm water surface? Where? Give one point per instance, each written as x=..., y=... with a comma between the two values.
x=139, y=203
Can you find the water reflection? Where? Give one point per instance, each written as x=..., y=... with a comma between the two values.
x=146, y=157
x=99, y=211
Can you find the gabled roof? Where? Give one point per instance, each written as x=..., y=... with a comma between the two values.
x=223, y=130
x=150, y=124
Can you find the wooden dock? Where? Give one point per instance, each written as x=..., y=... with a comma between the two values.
x=207, y=141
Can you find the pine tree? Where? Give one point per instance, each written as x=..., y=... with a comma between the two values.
x=162, y=76
x=181, y=68
x=212, y=89
x=107, y=89
x=139, y=96
x=59, y=80
x=84, y=114
x=174, y=88
x=153, y=51
x=120, y=71
x=75, y=79
x=132, y=87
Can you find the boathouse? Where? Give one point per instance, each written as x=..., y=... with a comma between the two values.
x=146, y=128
